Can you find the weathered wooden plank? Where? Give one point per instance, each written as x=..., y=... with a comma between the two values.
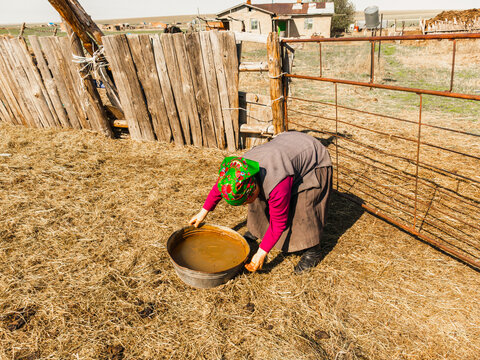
x=118, y=54
x=39, y=92
x=49, y=82
x=212, y=86
x=258, y=114
x=253, y=66
x=94, y=105
x=74, y=82
x=166, y=87
x=251, y=37
x=175, y=81
x=31, y=60
x=22, y=88
x=56, y=63
x=230, y=62
x=142, y=53
x=12, y=89
x=120, y=124
x=17, y=97
x=223, y=90
x=7, y=97
x=29, y=87
x=6, y=112
x=200, y=85
x=16, y=84
x=259, y=129
x=187, y=86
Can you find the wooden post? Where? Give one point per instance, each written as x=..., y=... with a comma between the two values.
x=275, y=74
x=22, y=29
x=81, y=23
x=99, y=119
x=90, y=35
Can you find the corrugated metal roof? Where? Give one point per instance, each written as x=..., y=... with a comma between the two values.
x=292, y=9
x=311, y=8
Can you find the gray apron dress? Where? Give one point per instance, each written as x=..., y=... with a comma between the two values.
x=307, y=160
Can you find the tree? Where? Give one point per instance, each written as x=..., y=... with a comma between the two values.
x=343, y=17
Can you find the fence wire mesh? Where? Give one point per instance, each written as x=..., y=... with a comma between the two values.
x=416, y=168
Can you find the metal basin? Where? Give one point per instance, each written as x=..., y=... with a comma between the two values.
x=207, y=256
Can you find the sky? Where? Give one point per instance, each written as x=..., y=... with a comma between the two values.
x=32, y=11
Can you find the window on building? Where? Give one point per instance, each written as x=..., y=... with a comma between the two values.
x=308, y=24
x=253, y=24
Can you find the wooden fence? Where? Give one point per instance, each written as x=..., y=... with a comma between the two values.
x=172, y=87
x=178, y=86
x=44, y=89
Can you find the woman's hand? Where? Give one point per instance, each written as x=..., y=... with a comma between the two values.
x=197, y=219
x=257, y=260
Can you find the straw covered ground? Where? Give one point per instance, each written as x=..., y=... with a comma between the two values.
x=84, y=273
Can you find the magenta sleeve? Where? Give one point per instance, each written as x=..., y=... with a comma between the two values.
x=278, y=203
x=213, y=198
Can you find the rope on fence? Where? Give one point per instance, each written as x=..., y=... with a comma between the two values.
x=92, y=63
x=278, y=76
x=250, y=116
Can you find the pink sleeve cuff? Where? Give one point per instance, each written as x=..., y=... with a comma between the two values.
x=213, y=198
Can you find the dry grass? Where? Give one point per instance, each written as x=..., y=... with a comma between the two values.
x=84, y=272
x=374, y=150
x=82, y=246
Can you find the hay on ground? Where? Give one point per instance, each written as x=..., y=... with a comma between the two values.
x=84, y=273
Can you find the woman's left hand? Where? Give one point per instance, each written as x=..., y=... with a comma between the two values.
x=257, y=260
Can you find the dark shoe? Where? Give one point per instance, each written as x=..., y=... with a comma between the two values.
x=310, y=258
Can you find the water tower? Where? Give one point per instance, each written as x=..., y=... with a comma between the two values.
x=371, y=17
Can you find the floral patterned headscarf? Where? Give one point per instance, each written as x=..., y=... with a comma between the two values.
x=236, y=179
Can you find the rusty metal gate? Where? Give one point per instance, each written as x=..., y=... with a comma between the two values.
x=420, y=174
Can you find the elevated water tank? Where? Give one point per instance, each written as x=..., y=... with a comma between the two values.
x=371, y=17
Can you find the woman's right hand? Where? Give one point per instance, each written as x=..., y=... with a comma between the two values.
x=197, y=219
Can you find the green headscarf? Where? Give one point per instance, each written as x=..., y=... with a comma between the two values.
x=236, y=180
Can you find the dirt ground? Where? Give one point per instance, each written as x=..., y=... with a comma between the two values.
x=84, y=273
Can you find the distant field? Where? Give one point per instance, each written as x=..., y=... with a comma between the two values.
x=182, y=19
x=401, y=15
x=359, y=15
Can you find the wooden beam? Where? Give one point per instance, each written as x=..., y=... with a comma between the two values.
x=275, y=74
x=245, y=36
x=253, y=66
x=96, y=110
x=122, y=124
x=81, y=23
x=261, y=129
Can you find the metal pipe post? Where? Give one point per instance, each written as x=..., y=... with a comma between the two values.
x=418, y=160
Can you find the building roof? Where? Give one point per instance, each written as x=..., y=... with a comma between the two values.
x=293, y=9
x=311, y=8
